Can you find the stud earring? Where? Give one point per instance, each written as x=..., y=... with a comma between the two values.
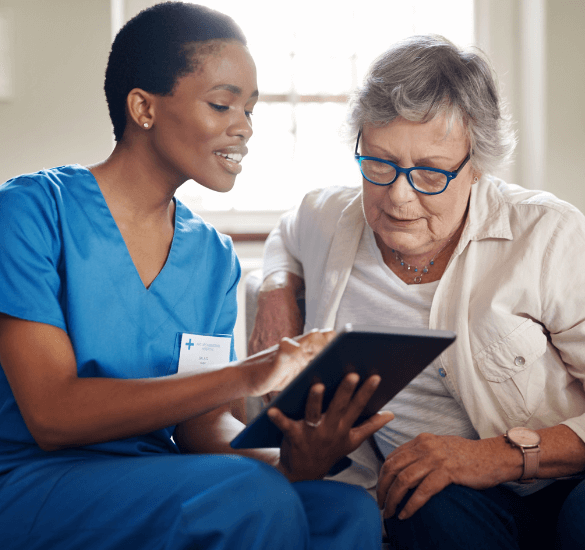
x=145, y=125
x=475, y=179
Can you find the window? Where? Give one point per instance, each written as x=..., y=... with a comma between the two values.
x=310, y=55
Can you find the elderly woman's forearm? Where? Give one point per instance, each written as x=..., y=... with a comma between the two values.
x=562, y=453
x=278, y=314
x=284, y=280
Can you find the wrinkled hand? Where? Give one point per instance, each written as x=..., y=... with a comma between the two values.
x=308, y=451
x=274, y=368
x=429, y=463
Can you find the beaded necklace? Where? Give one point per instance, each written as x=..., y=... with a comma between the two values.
x=415, y=269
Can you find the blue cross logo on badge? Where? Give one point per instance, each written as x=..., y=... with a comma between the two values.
x=189, y=344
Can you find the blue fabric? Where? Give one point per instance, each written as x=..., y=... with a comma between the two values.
x=179, y=502
x=64, y=262
x=459, y=518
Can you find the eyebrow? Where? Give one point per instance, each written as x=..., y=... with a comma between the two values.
x=236, y=90
x=418, y=162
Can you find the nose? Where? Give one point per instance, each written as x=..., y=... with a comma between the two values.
x=241, y=126
x=401, y=192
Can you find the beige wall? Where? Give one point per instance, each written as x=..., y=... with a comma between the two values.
x=58, y=114
x=132, y=7
x=566, y=100
x=495, y=24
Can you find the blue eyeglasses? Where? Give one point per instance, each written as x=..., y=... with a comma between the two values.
x=429, y=181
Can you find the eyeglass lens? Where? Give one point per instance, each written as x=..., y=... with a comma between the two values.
x=424, y=180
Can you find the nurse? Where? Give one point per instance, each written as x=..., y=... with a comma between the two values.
x=106, y=283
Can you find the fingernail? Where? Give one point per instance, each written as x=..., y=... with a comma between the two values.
x=402, y=515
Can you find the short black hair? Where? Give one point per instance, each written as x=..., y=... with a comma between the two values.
x=154, y=49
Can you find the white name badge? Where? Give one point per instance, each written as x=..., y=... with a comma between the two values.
x=199, y=351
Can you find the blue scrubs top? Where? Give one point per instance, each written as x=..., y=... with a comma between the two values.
x=64, y=262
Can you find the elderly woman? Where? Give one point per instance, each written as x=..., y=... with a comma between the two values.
x=432, y=239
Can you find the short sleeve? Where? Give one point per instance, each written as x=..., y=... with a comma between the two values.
x=281, y=251
x=29, y=252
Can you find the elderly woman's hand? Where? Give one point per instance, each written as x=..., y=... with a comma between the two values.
x=312, y=445
x=428, y=463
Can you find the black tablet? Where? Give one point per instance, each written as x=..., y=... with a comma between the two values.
x=396, y=354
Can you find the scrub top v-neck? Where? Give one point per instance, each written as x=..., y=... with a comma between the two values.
x=64, y=262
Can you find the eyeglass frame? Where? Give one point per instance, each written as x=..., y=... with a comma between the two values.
x=406, y=171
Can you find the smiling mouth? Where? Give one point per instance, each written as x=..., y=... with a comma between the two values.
x=230, y=160
x=234, y=157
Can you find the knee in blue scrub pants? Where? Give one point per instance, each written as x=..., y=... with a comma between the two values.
x=180, y=502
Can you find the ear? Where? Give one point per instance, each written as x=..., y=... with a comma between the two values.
x=140, y=108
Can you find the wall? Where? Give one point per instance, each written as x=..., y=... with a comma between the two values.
x=496, y=22
x=504, y=31
x=565, y=170
x=58, y=114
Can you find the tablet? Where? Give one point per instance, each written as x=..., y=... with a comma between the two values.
x=396, y=354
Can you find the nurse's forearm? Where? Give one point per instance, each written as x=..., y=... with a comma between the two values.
x=62, y=410
x=83, y=411
x=212, y=433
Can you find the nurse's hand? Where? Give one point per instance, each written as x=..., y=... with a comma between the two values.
x=273, y=369
x=312, y=445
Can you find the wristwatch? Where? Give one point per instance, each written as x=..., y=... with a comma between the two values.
x=528, y=441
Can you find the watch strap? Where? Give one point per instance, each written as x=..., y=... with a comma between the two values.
x=531, y=463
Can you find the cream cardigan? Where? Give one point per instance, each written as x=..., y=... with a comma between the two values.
x=513, y=291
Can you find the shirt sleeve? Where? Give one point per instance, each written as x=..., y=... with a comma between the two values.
x=563, y=290
x=282, y=249
x=300, y=242
x=29, y=253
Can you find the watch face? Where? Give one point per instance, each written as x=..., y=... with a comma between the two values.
x=524, y=437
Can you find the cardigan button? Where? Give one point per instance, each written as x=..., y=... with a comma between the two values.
x=442, y=372
x=519, y=361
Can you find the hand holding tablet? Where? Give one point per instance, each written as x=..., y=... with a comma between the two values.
x=310, y=446
x=396, y=354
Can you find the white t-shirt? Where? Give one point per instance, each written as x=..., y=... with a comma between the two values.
x=374, y=295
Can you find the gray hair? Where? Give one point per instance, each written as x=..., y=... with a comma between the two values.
x=424, y=76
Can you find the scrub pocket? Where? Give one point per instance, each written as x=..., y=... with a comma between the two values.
x=514, y=371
